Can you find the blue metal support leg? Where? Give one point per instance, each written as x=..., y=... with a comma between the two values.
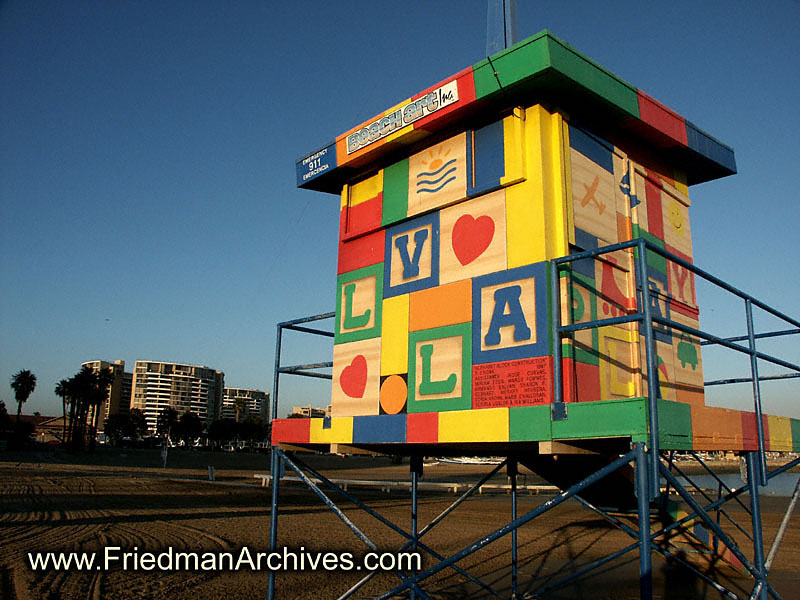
x=273, y=517
x=512, y=473
x=643, y=504
x=416, y=472
x=753, y=461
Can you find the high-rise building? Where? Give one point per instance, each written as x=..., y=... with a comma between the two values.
x=255, y=402
x=118, y=399
x=158, y=385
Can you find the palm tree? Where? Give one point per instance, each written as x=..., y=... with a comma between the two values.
x=239, y=405
x=99, y=394
x=23, y=382
x=63, y=391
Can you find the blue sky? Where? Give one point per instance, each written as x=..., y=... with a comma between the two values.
x=148, y=207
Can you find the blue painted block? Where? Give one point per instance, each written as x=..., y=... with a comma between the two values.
x=379, y=429
x=411, y=259
x=585, y=241
x=485, y=159
x=511, y=314
x=592, y=147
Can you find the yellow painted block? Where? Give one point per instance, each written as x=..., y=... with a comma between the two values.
x=618, y=363
x=365, y=190
x=536, y=209
x=677, y=232
x=556, y=202
x=394, y=335
x=514, y=147
x=780, y=434
x=525, y=225
x=486, y=425
x=340, y=432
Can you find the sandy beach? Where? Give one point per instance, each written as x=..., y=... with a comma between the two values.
x=53, y=502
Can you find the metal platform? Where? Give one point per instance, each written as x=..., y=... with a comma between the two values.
x=628, y=476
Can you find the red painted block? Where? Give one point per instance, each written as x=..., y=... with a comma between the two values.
x=655, y=218
x=750, y=432
x=361, y=252
x=291, y=431
x=524, y=382
x=663, y=119
x=361, y=218
x=422, y=428
x=580, y=381
x=466, y=95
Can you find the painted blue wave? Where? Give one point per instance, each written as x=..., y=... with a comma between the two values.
x=435, y=181
x=437, y=171
x=436, y=189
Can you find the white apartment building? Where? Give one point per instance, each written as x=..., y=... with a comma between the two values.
x=157, y=385
x=255, y=402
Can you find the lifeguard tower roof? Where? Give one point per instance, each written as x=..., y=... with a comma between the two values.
x=540, y=69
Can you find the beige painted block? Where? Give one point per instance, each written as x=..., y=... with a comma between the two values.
x=593, y=198
x=473, y=238
x=356, y=379
x=437, y=176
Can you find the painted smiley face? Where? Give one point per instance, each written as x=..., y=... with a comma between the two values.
x=676, y=217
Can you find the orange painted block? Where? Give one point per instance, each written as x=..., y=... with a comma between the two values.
x=291, y=431
x=624, y=228
x=690, y=395
x=716, y=428
x=473, y=238
x=422, y=428
x=439, y=306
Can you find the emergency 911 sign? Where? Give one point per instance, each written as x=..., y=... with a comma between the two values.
x=315, y=164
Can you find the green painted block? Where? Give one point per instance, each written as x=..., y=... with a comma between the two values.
x=529, y=423
x=654, y=261
x=795, y=435
x=543, y=59
x=395, y=193
x=674, y=425
x=433, y=394
x=606, y=418
x=372, y=322
x=524, y=59
x=592, y=76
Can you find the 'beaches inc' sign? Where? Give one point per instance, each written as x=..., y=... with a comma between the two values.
x=405, y=115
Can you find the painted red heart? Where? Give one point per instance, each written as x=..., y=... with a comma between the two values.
x=471, y=237
x=353, y=380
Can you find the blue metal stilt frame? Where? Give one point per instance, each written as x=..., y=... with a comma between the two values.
x=651, y=466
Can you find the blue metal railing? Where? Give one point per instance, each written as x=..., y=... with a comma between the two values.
x=646, y=320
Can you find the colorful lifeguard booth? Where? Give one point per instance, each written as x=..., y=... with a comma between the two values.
x=514, y=263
